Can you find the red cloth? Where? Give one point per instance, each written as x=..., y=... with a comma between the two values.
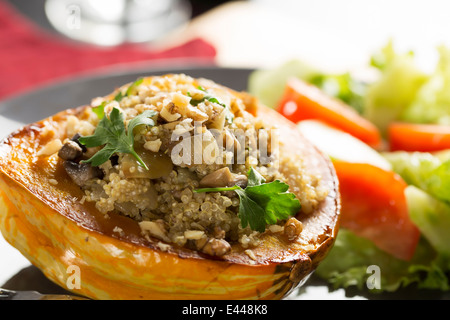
x=30, y=56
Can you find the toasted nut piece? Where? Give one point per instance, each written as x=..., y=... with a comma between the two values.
x=216, y=247
x=153, y=145
x=292, y=228
x=156, y=229
x=50, y=148
x=219, y=233
x=213, y=247
x=196, y=114
x=193, y=234
x=168, y=112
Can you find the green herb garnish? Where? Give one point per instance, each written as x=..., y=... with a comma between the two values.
x=132, y=88
x=262, y=203
x=118, y=96
x=100, y=110
x=111, y=133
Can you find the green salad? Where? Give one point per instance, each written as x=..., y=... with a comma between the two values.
x=400, y=93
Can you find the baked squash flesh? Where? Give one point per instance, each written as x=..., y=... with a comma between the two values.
x=169, y=188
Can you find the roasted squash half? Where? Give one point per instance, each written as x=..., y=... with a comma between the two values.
x=51, y=227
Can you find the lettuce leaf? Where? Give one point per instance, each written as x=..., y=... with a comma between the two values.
x=269, y=85
x=432, y=101
x=390, y=95
x=432, y=217
x=349, y=260
x=426, y=171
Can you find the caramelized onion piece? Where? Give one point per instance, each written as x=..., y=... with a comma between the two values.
x=159, y=165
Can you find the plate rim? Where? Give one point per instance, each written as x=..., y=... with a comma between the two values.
x=122, y=69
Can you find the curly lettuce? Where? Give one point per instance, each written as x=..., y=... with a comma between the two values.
x=432, y=101
x=269, y=85
x=429, y=172
x=349, y=261
x=391, y=94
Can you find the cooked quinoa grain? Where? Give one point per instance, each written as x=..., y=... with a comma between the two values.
x=163, y=198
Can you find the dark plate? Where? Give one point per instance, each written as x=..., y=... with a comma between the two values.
x=47, y=100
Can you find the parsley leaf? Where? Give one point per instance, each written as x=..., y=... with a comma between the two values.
x=130, y=90
x=262, y=203
x=255, y=178
x=111, y=133
x=100, y=110
x=118, y=96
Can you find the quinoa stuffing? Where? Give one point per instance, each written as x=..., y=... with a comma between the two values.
x=188, y=160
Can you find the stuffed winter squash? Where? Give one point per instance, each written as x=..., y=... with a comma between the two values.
x=169, y=188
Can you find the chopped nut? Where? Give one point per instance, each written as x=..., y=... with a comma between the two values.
x=250, y=254
x=274, y=228
x=180, y=100
x=156, y=229
x=292, y=228
x=213, y=247
x=196, y=114
x=168, y=113
x=153, y=145
x=193, y=234
x=50, y=148
x=219, y=233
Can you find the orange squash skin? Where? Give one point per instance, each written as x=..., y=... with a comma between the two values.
x=49, y=225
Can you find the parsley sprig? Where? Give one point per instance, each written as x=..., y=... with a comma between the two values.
x=111, y=133
x=262, y=203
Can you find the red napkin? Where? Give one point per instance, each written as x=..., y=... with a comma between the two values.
x=30, y=56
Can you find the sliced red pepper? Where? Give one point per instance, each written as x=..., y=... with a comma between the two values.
x=303, y=101
x=374, y=207
x=418, y=137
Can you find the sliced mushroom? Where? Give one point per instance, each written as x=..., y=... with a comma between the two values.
x=70, y=151
x=218, y=178
x=239, y=180
x=81, y=173
x=75, y=139
x=223, y=178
